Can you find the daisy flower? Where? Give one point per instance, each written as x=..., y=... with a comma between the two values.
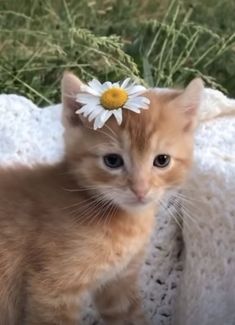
x=101, y=101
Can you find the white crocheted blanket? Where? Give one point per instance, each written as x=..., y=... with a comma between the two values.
x=189, y=274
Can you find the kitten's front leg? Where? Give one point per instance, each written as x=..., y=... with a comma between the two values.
x=119, y=302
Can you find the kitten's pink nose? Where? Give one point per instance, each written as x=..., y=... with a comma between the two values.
x=140, y=191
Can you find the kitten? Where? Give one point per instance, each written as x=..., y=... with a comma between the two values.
x=82, y=225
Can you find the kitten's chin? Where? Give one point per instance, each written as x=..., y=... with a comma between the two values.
x=134, y=209
x=136, y=206
x=130, y=203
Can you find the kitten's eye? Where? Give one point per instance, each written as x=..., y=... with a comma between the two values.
x=161, y=161
x=113, y=160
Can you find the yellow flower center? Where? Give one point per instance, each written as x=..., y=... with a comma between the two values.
x=113, y=98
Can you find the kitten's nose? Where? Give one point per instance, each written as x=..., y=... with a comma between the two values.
x=140, y=191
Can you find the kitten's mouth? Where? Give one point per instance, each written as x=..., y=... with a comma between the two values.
x=137, y=202
x=129, y=202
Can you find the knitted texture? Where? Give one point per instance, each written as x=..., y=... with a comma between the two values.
x=200, y=273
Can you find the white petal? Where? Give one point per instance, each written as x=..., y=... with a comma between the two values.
x=105, y=116
x=81, y=110
x=86, y=110
x=125, y=82
x=87, y=99
x=131, y=108
x=95, y=113
x=145, y=106
x=135, y=89
x=116, y=85
x=133, y=104
x=139, y=102
x=107, y=85
x=89, y=110
x=96, y=85
x=96, y=123
x=145, y=100
x=118, y=115
x=101, y=119
x=89, y=90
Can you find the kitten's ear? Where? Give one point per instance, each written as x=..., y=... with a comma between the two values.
x=189, y=102
x=70, y=86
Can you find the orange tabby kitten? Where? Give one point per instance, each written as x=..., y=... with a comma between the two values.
x=83, y=224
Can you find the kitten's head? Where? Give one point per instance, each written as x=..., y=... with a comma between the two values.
x=132, y=165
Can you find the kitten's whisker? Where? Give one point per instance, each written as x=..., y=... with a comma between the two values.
x=186, y=214
x=108, y=135
x=112, y=213
x=81, y=207
x=98, y=145
x=179, y=215
x=171, y=214
x=190, y=193
x=80, y=189
x=85, y=207
x=100, y=206
x=87, y=211
x=88, y=214
x=106, y=207
x=187, y=197
x=80, y=203
x=84, y=203
x=182, y=200
x=87, y=188
x=179, y=203
x=108, y=213
x=112, y=131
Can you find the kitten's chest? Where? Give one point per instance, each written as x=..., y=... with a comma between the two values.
x=119, y=259
x=119, y=249
x=94, y=256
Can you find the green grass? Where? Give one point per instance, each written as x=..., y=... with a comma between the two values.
x=155, y=42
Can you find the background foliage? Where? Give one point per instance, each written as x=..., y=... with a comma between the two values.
x=161, y=43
